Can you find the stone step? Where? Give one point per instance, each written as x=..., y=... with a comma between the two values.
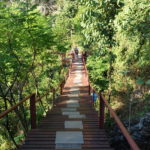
x=73, y=124
x=69, y=140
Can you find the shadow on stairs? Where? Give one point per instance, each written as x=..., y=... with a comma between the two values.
x=72, y=123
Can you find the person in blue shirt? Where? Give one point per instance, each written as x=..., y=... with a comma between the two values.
x=94, y=97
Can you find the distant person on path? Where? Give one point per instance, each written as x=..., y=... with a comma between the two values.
x=72, y=55
x=76, y=51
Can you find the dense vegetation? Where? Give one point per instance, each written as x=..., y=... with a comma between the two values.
x=115, y=34
x=31, y=53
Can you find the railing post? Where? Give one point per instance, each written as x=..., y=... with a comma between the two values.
x=89, y=89
x=102, y=112
x=69, y=72
x=67, y=75
x=82, y=57
x=61, y=88
x=33, y=111
x=53, y=97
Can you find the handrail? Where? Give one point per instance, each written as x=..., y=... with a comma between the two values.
x=33, y=100
x=21, y=102
x=103, y=103
x=121, y=126
x=15, y=106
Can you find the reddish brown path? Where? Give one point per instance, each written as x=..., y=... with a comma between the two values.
x=72, y=123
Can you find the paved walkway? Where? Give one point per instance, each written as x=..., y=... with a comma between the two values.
x=73, y=123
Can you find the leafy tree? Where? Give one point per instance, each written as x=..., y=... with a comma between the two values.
x=29, y=61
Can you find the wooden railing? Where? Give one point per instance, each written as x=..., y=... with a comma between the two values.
x=104, y=103
x=33, y=100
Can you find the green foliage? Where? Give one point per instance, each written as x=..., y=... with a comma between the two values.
x=97, y=30
x=118, y=30
x=97, y=21
x=115, y=34
x=31, y=49
x=132, y=37
x=98, y=72
x=19, y=138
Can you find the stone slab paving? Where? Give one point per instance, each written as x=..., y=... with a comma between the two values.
x=68, y=109
x=77, y=116
x=71, y=113
x=72, y=139
x=72, y=101
x=74, y=88
x=78, y=76
x=73, y=124
x=78, y=82
x=72, y=97
x=69, y=139
x=75, y=92
x=74, y=105
x=78, y=71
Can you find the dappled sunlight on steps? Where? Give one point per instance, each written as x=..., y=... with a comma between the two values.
x=73, y=123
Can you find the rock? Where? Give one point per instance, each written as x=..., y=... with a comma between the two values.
x=139, y=130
